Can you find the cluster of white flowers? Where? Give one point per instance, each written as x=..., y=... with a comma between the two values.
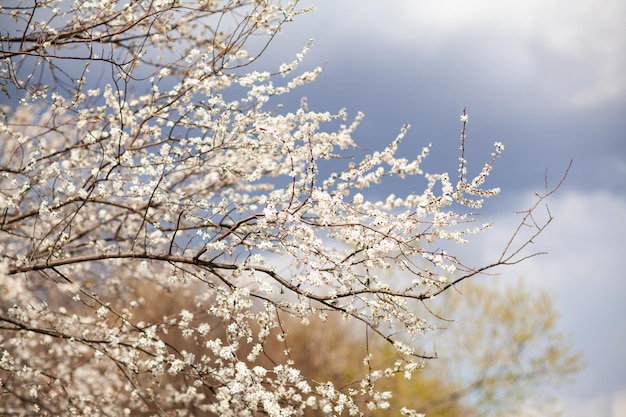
x=116, y=205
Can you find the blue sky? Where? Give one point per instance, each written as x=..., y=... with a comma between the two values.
x=546, y=78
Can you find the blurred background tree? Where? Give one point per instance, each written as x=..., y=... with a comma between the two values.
x=499, y=346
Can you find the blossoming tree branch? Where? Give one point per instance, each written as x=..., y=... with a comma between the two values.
x=138, y=151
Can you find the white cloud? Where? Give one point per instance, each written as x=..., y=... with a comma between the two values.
x=598, y=406
x=584, y=272
x=574, y=50
x=618, y=403
x=584, y=240
x=606, y=405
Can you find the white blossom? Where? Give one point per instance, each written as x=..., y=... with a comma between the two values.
x=162, y=216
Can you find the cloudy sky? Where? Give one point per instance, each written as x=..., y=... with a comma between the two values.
x=546, y=78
